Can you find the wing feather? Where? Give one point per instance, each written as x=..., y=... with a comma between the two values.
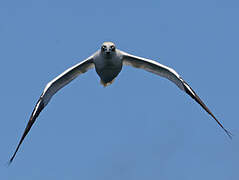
x=169, y=73
x=51, y=88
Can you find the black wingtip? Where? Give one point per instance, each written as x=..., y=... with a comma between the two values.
x=13, y=156
x=190, y=92
x=10, y=161
x=38, y=108
x=229, y=134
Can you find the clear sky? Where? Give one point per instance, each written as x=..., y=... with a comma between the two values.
x=142, y=126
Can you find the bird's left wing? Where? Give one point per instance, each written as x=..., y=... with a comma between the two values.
x=51, y=88
x=169, y=73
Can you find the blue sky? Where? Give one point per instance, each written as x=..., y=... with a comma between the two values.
x=142, y=126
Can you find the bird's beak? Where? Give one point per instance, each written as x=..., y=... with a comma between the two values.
x=107, y=51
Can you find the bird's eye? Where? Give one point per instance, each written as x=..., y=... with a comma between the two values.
x=112, y=48
x=103, y=48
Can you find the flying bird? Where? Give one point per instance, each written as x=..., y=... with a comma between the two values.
x=108, y=62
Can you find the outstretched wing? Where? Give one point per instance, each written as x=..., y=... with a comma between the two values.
x=51, y=88
x=169, y=73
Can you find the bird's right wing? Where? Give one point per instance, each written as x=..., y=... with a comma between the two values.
x=51, y=88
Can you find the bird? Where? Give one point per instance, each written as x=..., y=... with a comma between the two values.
x=108, y=62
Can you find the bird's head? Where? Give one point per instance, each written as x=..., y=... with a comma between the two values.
x=108, y=48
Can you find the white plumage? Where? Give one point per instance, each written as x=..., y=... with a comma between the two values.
x=108, y=62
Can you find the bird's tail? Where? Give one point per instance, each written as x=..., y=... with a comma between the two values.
x=106, y=84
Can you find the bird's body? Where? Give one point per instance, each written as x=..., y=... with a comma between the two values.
x=108, y=66
x=108, y=62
